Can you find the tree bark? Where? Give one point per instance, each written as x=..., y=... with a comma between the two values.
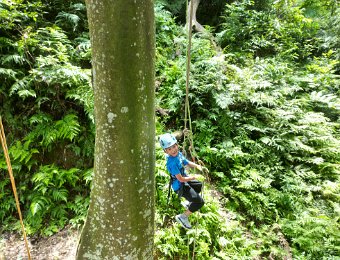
x=195, y=24
x=120, y=220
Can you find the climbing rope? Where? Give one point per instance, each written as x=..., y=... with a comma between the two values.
x=10, y=171
x=187, y=117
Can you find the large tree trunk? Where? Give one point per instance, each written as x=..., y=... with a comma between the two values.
x=120, y=221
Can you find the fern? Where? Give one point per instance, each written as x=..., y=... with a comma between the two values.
x=9, y=74
x=27, y=93
x=72, y=19
x=47, y=136
x=68, y=127
x=330, y=100
x=23, y=154
x=13, y=59
x=79, y=206
x=49, y=132
x=59, y=215
x=39, y=205
x=88, y=175
x=60, y=194
x=21, y=85
x=311, y=232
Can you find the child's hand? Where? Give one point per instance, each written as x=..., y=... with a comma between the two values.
x=186, y=132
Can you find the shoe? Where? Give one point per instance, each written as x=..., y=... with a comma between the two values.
x=185, y=204
x=183, y=220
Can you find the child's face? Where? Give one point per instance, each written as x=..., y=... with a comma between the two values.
x=172, y=150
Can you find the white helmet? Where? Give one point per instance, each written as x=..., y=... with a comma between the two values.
x=167, y=140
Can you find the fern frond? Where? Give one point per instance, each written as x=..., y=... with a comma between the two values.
x=223, y=100
x=68, y=127
x=84, y=43
x=22, y=84
x=321, y=97
x=311, y=118
x=39, y=204
x=27, y=93
x=72, y=19
x=40, y=118
x=298, y=145
x=330, y=100
x=78, y=7
x=59, y=194
x=6, y=43
x=59, y=212
x=8, y=73
x=13, y=59
x=87, y=175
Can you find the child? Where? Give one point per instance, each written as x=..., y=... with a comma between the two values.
x=183, y=184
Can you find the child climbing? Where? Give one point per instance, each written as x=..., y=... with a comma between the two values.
x=184, y=185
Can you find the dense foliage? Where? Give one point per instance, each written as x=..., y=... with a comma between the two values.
x=266, y=119
x=47, y=113
x=265, y=114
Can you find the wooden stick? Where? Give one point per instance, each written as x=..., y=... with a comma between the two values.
x=10, y=171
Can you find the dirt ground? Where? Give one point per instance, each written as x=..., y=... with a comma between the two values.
x=61, y=246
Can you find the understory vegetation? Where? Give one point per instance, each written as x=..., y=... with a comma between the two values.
x=264, y=104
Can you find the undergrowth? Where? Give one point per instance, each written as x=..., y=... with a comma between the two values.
x=266, y=122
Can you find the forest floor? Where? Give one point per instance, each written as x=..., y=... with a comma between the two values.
x=60, y=246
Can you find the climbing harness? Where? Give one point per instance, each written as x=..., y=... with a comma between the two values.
x=10, y=171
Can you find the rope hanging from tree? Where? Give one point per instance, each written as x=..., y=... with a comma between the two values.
x=187, y=117
x=10, y=171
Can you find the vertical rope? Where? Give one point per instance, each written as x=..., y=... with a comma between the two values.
x=187, y=111
x=10, y=171
x=187, y=117
x=186, y=108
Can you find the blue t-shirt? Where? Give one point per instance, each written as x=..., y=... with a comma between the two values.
x=175, y=165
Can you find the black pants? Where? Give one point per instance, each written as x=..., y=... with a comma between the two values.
x=190, y=191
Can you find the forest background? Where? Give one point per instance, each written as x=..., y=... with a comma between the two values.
x=264, y=97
